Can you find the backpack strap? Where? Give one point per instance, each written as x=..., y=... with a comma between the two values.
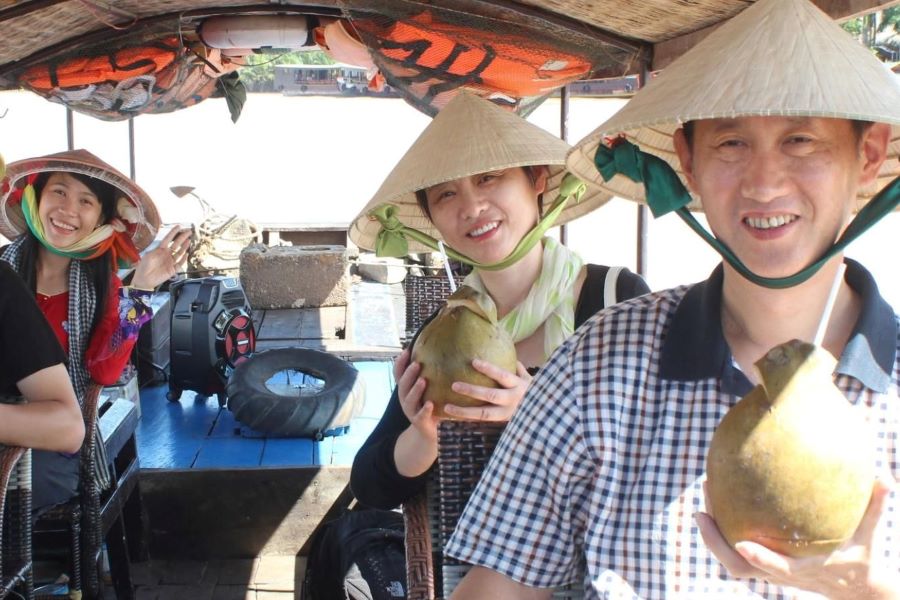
x=592, y=293
x=609, y=286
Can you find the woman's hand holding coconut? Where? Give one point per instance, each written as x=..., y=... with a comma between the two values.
x=484, y=185
x=416, y=448
x=499, y=402
x=848, y=572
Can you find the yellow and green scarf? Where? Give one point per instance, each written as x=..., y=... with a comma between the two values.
x=111, y=237
x=551, y=300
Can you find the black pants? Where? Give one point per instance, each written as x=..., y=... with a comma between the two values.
x=54, y=478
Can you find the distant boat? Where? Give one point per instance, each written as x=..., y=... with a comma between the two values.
x=326, y=80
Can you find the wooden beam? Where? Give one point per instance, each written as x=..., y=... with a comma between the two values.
x=839, y=10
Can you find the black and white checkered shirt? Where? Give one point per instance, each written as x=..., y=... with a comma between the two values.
x=602, y=466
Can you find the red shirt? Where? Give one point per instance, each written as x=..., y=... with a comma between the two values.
x=104, y=359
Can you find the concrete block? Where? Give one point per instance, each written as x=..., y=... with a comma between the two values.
x=381, y=270
x=295, y=276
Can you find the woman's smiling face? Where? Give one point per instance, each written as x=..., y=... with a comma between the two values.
x=68, y=210
x=484, y=216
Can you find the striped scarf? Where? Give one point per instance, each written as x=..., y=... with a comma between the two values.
x=82, y=306
x=551, y=300
x=111, y=237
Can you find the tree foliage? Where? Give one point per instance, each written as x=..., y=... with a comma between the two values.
x=885, y=19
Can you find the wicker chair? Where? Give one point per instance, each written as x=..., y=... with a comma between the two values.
x=463, y=452
x=424, y=295
x=15, y=506
x=78, y=524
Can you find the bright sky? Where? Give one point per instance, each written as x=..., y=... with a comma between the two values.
x=319, y=159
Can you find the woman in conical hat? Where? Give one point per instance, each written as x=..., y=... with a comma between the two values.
x=49, y=417
x=488, y=184
x=75, y=220
x=780, y=125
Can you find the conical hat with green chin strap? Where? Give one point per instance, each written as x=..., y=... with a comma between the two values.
x=470, y=135
x=776, y=58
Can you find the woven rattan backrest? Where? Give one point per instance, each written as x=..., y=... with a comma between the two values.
x=424, y=295
x=463, y=452
x=89, y=412
x=15, y=508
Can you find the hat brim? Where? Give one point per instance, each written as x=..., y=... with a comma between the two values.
x=776, y=58
x=658, y=140
x=12, y=221
x=469, y=136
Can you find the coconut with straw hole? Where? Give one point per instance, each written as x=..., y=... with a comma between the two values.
x=791, y=465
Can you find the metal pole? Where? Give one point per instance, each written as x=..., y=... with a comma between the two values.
x=70, y=128
x=131, y=147
x=643, y=216
x=564, y=135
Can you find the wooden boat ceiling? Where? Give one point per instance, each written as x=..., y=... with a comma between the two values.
x=646, y=33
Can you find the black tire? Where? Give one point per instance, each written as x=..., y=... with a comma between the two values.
x=261, y=409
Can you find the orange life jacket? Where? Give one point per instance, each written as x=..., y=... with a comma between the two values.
x=113, y=66
x=424, y=50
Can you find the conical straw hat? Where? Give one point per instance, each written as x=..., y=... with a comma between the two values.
x=143, y=223
x=776, y=58
x=470, y=135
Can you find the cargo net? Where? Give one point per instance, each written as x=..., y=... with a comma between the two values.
x=149, y=76
x=428, y=54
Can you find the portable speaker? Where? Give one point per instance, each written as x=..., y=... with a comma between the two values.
x=212, y=331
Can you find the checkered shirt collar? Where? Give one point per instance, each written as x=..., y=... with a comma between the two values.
x=695, y=346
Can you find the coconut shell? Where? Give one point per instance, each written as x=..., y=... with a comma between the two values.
x=446, y=346
x=791, y=466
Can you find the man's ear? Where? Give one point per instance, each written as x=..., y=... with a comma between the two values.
x=685, y=157
x=873, y=152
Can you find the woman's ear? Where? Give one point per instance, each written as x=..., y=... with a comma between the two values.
x=541, y=175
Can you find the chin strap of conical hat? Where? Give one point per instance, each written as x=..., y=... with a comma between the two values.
x=666, y=193
x=393, y=239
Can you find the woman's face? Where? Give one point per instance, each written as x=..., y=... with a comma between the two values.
x=68, y=210
x=485, y=216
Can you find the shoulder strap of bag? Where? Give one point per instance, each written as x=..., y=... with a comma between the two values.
x=592, y=293
x=609, y=286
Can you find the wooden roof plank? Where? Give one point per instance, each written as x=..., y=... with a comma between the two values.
x=840, y=10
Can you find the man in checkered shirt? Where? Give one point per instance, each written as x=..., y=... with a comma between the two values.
x=599, y=476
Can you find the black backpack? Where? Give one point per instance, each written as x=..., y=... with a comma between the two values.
x=358, y=556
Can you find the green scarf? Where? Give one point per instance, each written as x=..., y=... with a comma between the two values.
x=551, y=300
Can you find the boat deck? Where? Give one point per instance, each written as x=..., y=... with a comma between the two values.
x=229, y=510
x=195, y=433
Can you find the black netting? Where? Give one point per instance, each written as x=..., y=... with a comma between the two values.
x=154, y=72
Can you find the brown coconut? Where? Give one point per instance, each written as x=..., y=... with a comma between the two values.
x=791, y=465
x=446, y=346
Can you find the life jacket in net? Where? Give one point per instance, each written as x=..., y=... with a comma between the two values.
x=162, y=77
x=427, y=58
x=117, y=65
